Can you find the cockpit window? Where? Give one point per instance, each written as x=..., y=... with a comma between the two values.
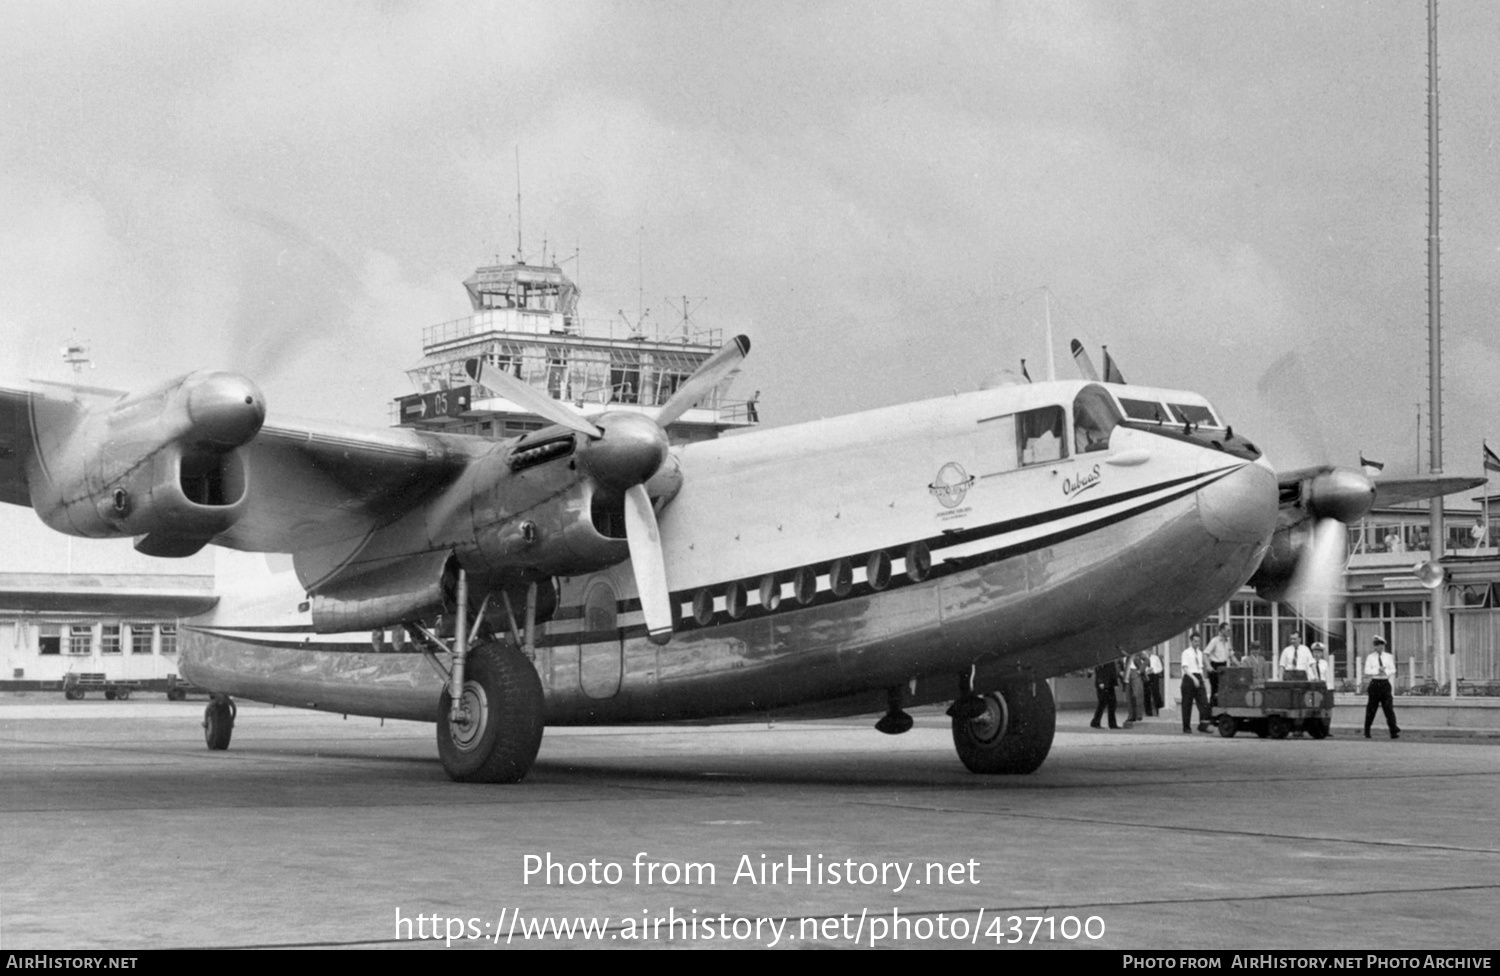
x=1094, y=417
x=1191, y=413
x=1145, y=410
x=1040, y=435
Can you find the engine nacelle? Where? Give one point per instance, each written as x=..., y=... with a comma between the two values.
x=160, y=466
x=571, y=533
x=1277, y=567
x=1341, y=494
x=536, y=514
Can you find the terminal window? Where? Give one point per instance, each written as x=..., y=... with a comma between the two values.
x=140, y=638
x=80, y=639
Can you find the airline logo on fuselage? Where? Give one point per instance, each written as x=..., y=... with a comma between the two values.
x=1082, y=483
x=951, y=484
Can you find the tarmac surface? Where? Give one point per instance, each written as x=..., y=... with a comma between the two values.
x=119, y=830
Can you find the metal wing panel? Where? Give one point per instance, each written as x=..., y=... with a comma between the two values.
x=1394, y=491
x=316, y=485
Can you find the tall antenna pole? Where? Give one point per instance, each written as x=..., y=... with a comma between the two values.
x=520, y=251
x=1436, y=536
x=1047, y=305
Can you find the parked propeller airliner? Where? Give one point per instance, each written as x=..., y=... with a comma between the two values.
x=962, y=549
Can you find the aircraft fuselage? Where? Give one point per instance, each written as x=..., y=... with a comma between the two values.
x=814, y=567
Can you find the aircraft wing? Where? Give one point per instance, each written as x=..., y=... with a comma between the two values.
x=1397, y=490
x=313, y=484
x=18, y=428
x=1389, y=491
x=308, y=484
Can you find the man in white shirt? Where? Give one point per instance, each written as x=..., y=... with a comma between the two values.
x=1322, y=670
x=1194, y=686
x=1296, y=656
x=1154, y=684
x=1380, y=669
x=1216, y=658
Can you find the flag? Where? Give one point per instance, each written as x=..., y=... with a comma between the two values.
x=1112, y=372
x=1372, y=468
x=1491, y=459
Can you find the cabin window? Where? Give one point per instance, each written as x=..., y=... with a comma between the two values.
x=1094, y=418
x=1040, y=435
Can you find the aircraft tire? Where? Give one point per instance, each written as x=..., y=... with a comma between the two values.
x=499, y=744
x=1014, y=734
x=218, y=724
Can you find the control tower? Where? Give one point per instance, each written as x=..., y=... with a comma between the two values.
x=526, y=322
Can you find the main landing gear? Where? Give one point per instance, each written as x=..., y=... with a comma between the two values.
x=1009, y=731
x=491, y=713
x=498, y=730
x=218, y=722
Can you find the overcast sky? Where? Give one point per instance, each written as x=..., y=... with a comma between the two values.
x=875, y=193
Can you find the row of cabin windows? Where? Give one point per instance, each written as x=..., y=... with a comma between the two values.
x=81, y=639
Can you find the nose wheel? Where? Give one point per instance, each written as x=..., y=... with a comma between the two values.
x=218, y=722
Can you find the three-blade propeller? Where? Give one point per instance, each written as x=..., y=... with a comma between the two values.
x=626, y=448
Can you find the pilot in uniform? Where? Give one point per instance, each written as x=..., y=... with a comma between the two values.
x=1380, y=668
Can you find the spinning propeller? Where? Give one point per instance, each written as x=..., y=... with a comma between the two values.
x=625, y=449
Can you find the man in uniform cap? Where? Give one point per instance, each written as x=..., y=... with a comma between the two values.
x=1380, y=668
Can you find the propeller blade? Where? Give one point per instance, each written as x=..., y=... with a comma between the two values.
x=501, y=383
x=650, y=567
x=1317, y=585
x=715, y=370
x=1085, y=363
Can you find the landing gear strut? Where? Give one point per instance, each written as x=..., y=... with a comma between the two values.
x=1013, y=733
x=218, y=722
x=490, y=716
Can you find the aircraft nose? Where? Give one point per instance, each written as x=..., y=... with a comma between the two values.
x=1240, y=506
